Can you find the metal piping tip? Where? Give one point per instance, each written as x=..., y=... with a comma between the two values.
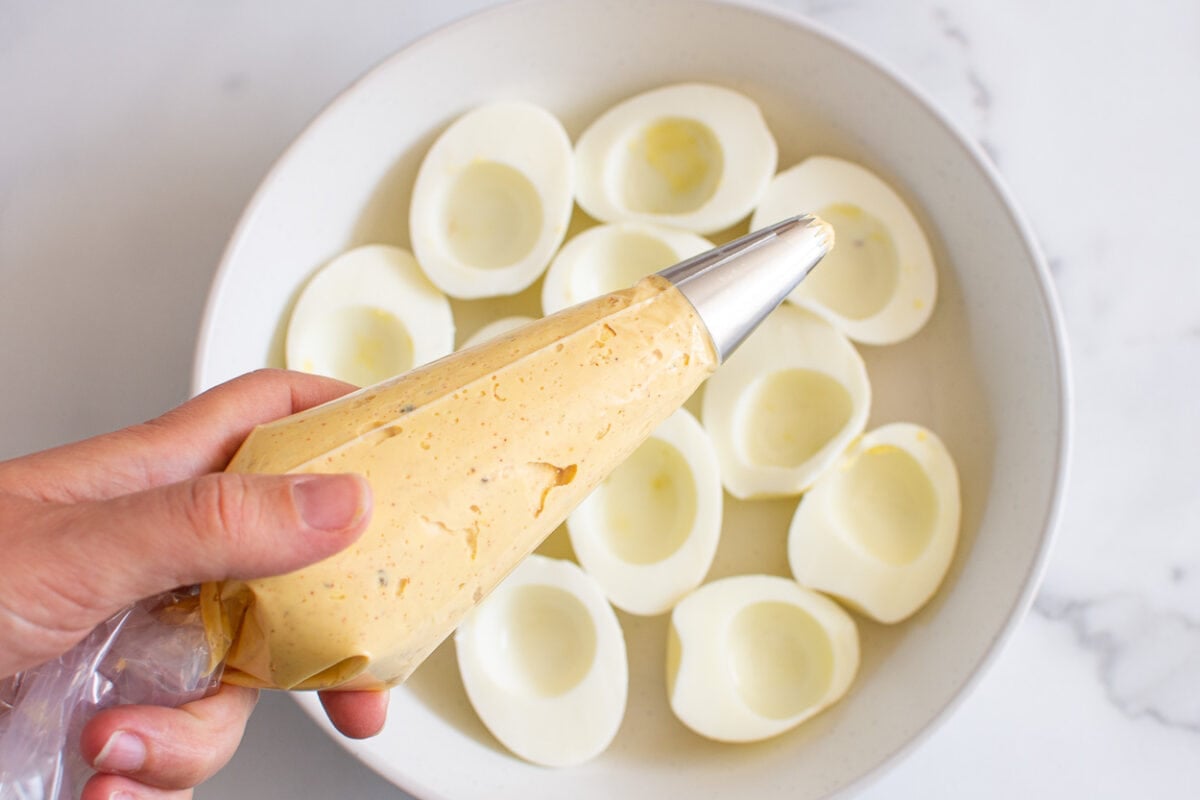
x=735, y=286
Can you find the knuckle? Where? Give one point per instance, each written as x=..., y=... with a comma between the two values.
x=218, y=505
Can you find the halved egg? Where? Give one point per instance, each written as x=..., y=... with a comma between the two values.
x=693, y=156
x=648, y=533
x=785, y=405
x=492, y=200
x=606, y=258
x=495, y=328
x=752, y=656
x=543, y=662
x=368, y=315
x=879, y=530
x=879, y=284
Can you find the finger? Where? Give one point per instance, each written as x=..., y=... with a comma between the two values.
x=116, y=787
x=169, y=748
x=358, y=715
x=197, y=437
x=91, y=559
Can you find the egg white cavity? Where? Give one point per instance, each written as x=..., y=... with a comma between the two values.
x=785, y=405
x=693, y=156
x=492, y=200
x=879, y=283
x=494, y=329
x=649, y=532
x=752, y=656
x=879, y=530
x=368, y=315
x=543, y=662
x=609, y=257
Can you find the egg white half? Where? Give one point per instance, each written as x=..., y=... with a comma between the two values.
x=606, y=258
x=368, y=315
x=879, y=529
x=785, y=405
x=692, y=156
x=879, y=283
x=752, y=656
x=543, y=661
x=649, y=532
x=492, y=200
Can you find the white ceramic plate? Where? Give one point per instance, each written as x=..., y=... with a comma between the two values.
x=988, y=373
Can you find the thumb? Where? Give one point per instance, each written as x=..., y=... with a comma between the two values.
x=218, y=526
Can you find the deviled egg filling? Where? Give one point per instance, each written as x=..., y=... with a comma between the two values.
x=693, y=156
x=879, y=284
x=649, y=531
x=751, y=656
x=785, y=405
x=368, y=315
x=492, y=200
x=879, y=530
x=610, y=257
x=543, y=663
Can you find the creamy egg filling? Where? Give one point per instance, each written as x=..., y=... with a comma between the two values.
x=859, y=276
x=540, y=641
x=787, y=416
x=649, y=504
x=780, y=659
x=491, y=216
x=886, y=503
x=672, y=166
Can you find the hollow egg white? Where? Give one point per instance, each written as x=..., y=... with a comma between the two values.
x=368, y=315
x=615, y=256
x=751, y=656
x=879, y=530
x=492, y=200
x=785, y=405
x=543, y=662
x=693, y=156
x=649, y=531
x=879, y=283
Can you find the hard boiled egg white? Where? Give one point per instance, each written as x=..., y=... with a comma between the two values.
x=879, y=530
x=606, y=258
x=785, y=405
x=648, y=533
x=693, y=156
x=753, y=655
x=368, y=315
x=543, y=662
x=495, y=328
x=879, y=283
x=492, y=200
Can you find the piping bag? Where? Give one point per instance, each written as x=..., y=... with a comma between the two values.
x=473, y=460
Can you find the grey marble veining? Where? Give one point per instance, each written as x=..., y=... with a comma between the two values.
x=1148, y=660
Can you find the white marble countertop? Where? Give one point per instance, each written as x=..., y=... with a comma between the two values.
x=132, y=134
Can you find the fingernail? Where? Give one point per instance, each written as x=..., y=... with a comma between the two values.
x=330, y=502
x=123, y=752
x=121, y=795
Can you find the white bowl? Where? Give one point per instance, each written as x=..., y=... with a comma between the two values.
x=988, y=373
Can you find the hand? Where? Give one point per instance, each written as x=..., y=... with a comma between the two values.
x=88, y=528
